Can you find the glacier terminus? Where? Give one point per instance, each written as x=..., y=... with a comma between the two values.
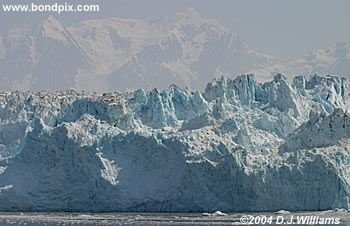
x=239, y=145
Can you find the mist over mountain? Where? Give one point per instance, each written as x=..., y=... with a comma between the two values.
x=125, y=54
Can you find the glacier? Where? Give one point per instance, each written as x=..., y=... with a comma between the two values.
x=239, y=145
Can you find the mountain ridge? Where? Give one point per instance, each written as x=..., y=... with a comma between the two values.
x=124, y=54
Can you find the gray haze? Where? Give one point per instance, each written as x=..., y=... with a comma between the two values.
x=279, y=28
x=153, y=44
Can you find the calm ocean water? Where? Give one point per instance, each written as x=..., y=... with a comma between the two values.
x=283, y=217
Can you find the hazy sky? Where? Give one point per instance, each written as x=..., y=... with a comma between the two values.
x=280, y=28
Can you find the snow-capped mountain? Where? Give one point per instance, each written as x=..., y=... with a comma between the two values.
x=40, y=56
x=191, y=50
x=124, y=54
x=333, y=60
x=115, y=53
x=237, y=146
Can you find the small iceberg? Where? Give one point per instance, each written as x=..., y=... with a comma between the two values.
x=216, y=214
x=282, y=212
x=340, y=210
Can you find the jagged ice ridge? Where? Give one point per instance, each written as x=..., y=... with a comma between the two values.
x=237, y=146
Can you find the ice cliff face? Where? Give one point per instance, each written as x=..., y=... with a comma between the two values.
x=237, y=146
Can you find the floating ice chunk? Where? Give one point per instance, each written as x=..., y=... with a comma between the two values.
x=282, y=212
x=215, y=214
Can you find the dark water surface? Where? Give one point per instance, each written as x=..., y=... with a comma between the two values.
x=283, y=217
